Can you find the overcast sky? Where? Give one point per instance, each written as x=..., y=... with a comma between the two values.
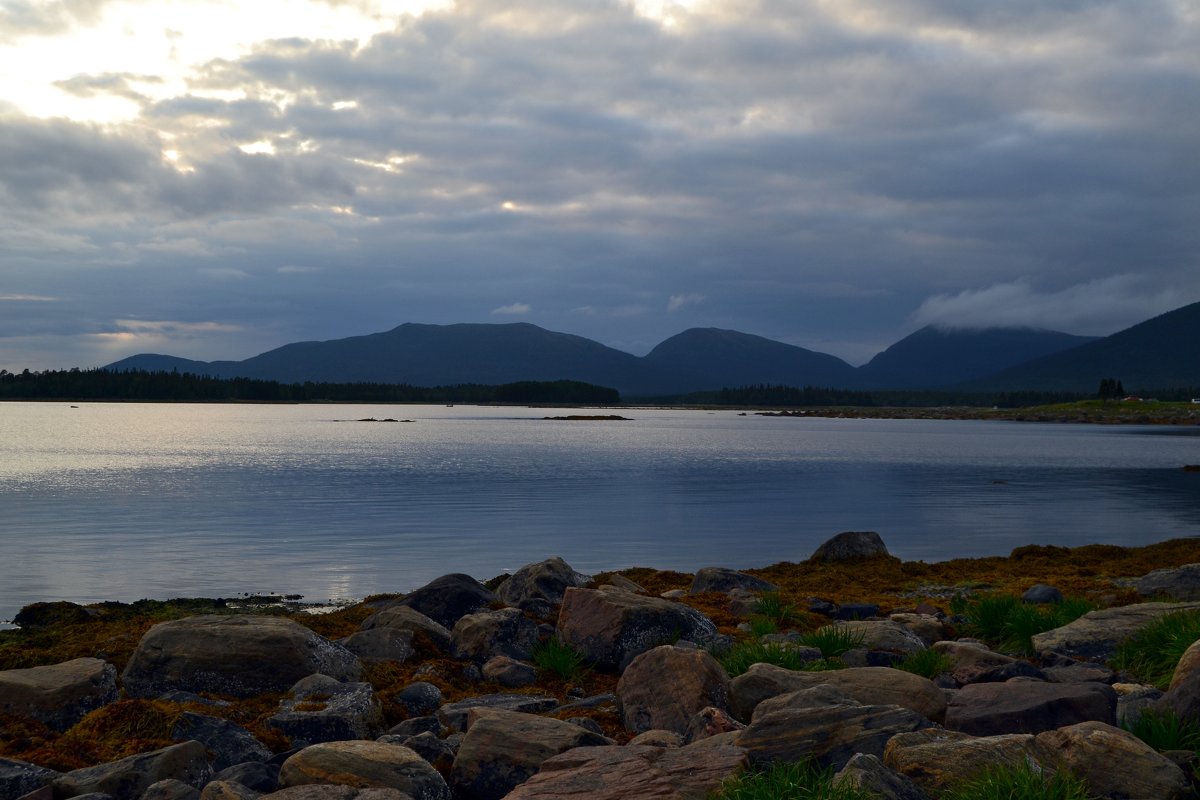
x=213, y=179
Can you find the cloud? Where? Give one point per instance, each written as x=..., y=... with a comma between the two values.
x=26, y=298
x=678, y=301
x=1099, y=307
x=513, y=309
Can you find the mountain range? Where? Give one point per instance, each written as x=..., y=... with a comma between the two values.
x=1160, y=353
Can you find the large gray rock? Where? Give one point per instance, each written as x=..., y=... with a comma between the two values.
x=1175, y=583
x=1028, y=706
x=449, y=598
x=1183, y=695
x=694, y=772
x=1096, y=634
x=329, y=712
x=665, y=687
x=547, y=580
x=866, y=685
x=170, y=789
x=227, y=790
x=380, y=644
x=884, y=634
x=19, y=777
x=242, y=656
x=936, y=759
x=720, y=579
x=59, y=695
x=827, y=734
x=406, y=618
x=612, y=627
x=1114, y=763
x=503, y=749
x=851, y=546
x=456, y=716
x=228, y=742
x=365, y=765
x=484, y=634
x=872, y=777
x=128, y=778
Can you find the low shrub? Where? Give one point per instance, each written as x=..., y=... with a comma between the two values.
x=1021, y=782
x=789, y=781
x=1152, y=653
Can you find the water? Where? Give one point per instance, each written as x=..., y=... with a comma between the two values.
x=124, y=501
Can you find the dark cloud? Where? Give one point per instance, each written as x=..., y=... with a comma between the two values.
x=819, y=173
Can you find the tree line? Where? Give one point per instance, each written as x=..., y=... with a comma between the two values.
x=99, y=384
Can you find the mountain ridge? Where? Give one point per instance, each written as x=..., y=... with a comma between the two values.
x=708, y=359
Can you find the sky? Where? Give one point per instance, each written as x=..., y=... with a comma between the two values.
x=212, y=179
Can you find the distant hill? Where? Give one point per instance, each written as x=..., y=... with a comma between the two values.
x=711, y=358
x=936, y=357
x=1160, y=353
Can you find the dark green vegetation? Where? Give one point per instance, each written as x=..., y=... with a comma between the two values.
x=1163, y=352
x=1164, y=731
x=1152, y=654
x=1020, y=782
x=1005, y=622
x=185, y=386
x=789, y=781
x=927, y=663
x=560, y=659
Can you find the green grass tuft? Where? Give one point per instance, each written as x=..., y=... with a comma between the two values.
x=1005, y=622
x=1163, y=731
x=926, y=663
x=561, y=659
x=1152, y=653
x=772, y=606
x=744, y=655
x=789, y=781
x=1023, y=782
x=833, y=640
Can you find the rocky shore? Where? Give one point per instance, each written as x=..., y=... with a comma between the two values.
x=640, y=684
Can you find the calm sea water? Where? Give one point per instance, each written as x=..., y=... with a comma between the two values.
x=124, y=501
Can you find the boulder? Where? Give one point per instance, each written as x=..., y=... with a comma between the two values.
x=503, y=749
x=1175, y=583
x=420, y=698
x=227, y=790
x=719, y=579
x=1041, y=594
x=869, y=775
x=611, y=627
x=667, y=686
x=1083, y=672
x=1096, y=634
x=547, y=580
x=449, y=598
x=509, y=672
x=58, y=695
x=406, y=618
x=241, y=656
x=228, y=742
x=253, y=775
x=867, y=685
x=456, y=716
x=380, y=644
x=973, y=662
x=330, y=791
x=170, y=789
x=1113, y=763
x=328, y=712
x=438, y=752
x=1183, y=695
x=710, y=721
x=851, y=546
x=926, y=627
x=365, y=765
x=1028, y=706
x=45, y=614
x=935, y=759
x=884, y=634
x=18, y=777
x=826, y=734
x=414, y=726
x=484, y=634
x=658, y=739
x=128, y=778
x=694, y=772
